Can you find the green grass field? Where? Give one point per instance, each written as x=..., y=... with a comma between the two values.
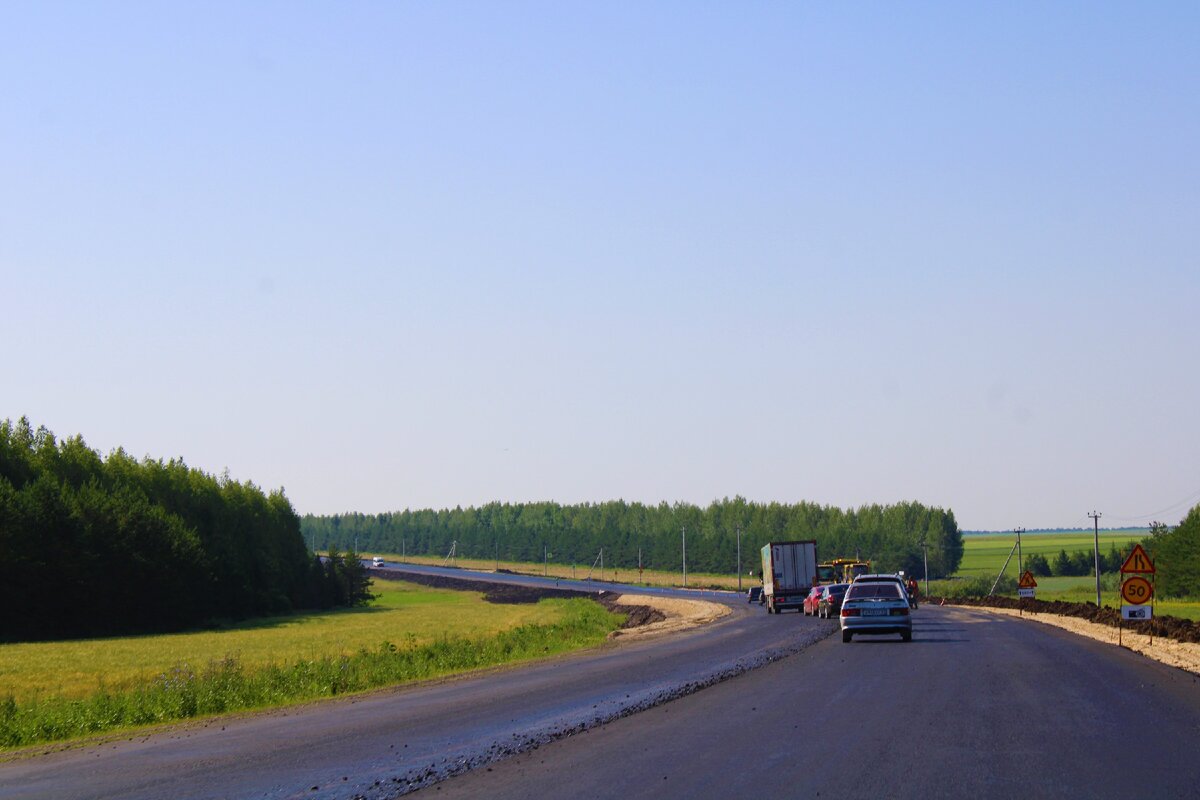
x=64, y=690
x=404, y=614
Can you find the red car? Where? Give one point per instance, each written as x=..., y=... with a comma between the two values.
x=830, y=604
x=810, y=602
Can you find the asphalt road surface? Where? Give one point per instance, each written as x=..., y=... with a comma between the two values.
x=976, y=706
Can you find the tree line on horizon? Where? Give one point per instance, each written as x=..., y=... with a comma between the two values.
x=889, y=535
x=96, y=546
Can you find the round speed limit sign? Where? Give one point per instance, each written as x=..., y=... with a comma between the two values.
x=1136, y=590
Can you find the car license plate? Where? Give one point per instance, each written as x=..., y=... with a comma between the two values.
x=875, y=612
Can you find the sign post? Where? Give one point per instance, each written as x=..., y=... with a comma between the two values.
x=1136, y=591
x=1026, y=588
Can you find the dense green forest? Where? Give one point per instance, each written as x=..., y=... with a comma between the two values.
x=888, y=535
x=95, y=546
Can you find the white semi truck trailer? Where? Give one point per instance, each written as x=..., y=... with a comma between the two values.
x=789, y=571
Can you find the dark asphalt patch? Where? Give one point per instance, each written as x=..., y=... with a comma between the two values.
x=514, y=593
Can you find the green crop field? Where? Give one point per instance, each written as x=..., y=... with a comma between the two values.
x=983, y=555
x=61, y=690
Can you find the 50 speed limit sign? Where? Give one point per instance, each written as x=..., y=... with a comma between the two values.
x=1136, y=590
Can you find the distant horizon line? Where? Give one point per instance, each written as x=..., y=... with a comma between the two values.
x=1054, y=530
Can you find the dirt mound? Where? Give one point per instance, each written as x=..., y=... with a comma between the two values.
x=636, y=615
x=1166, y=627
x=667, y=614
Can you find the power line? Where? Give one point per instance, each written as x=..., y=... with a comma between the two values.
x=1190, y=499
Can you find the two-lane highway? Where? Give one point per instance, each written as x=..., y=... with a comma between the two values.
x=976, y=706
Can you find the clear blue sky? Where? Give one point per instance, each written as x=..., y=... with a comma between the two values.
x=392, y=255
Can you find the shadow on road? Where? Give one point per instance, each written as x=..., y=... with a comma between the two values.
x=931, y=638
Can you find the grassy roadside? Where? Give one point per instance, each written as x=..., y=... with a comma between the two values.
x=402, y=612
x=228, y=683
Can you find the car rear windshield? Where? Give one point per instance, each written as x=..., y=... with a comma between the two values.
x=860, y=591
x=837, y=589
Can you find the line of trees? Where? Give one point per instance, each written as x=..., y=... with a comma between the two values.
x=99, y=546
x=888, y=535
x=1176, y=554
x=1079, y=562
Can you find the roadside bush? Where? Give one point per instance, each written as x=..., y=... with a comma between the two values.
x=973, y=587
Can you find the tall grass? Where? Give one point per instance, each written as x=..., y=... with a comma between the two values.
x=77, y=668
x=225, y=685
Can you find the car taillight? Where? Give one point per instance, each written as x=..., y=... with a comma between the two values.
x=900, y=612
x=850, y=612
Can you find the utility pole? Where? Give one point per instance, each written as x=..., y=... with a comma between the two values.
x=925, y=549
x=1003, y=569
x=685, y=557
x=1020, y=561
x=1095, y=515
x=739, y=538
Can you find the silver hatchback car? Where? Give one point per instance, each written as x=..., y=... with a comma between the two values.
x=875, y=607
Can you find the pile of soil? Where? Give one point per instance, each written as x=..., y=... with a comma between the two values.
x=636, y=616
x=1167, y=627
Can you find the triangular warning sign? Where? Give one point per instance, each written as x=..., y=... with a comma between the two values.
x=1138, y=561
x=1027, y=581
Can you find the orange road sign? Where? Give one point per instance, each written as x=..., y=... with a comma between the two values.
x=1136, y=590
x=1138, y=561
x=1027, y=581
